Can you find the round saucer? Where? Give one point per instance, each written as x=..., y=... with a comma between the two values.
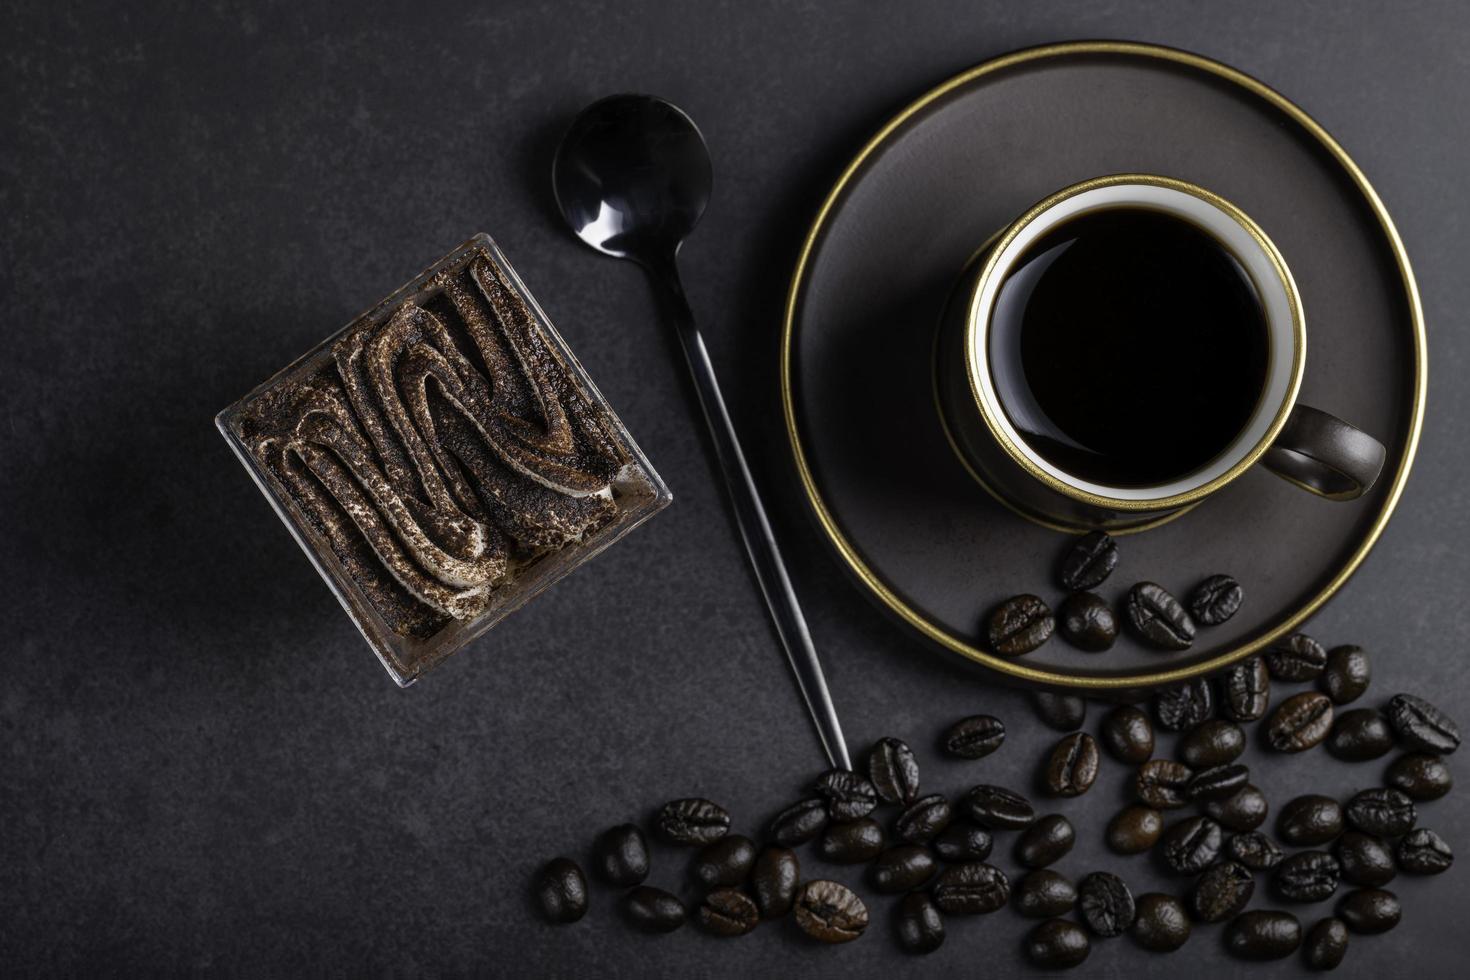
x=905, y=516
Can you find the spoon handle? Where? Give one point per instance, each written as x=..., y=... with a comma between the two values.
x=755, y=527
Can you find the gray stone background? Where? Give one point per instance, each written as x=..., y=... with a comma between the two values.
x=201, y=765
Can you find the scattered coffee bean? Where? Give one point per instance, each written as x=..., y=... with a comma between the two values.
x=1211, y=743
x=561, y=891
x=998, y=808
x=1310, y=820
x=620, y=856
x=1365, y=860
x=1135, y=829
x=691, y=821
x=1161, y=783
x=1184, y=706
x=1306, y=876
x=848, y=795
x=1346, y=676
x=1360, y=735
x=1057, y=944
x=1218, y=783
x=1295, y=659
x=728, y=912
x=1423, y=852
x=1158, y=618
x=1369, y=911
x=650, y=909
x=1106, y=904
x=853, y=843
x=1128, y=734
x=920, y=926
x=799, y=823
x=1161, y=924
x=1263, y=935
x=1380, y=811
x=830, y=912
x=963, y=842
x=1254, y=850
x=1064, y=712
x=1043, y=894
x=1245, y=810
x=1245, y=690
x=1419, y=776
x=1072, y=767
x=902, y=868
x=725, y=862
x=1215, y=600
x=775, y=878
x=1301, y=722
x=973, y=888
x=1046, y=841
x=1222, y=892
x=1020, y=625
x=1192, y=845
x=974, y=737
x=1089, y=562
x=1087, y=622
x=1327, y=944
x=1420, y=725
x=894, y=772
x=924, y=820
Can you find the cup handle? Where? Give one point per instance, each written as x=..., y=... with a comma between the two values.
x=1323, y=454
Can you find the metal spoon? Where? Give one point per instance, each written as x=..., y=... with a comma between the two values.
x=632, y=178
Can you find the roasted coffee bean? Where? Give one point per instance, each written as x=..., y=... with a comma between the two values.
x=1346, y=676
x=1360, y=735
x=1423, y=852
x=1072, y=767
x=620, y=856
x=1064, y=712
x=924, y=820
x=1089, y=562
x=973, y=888
x=561, y=891
x=1046, y=841
x=1420, y=725
x=894, y=772
x=1380, y=811
x=691, y=821
x=1128, y=734
x=1135, y=829
x=1263, y=935
x=1222, y=892
x=998, y=808
x=848, y=795
x=728, y=912
x=1087, y=622
x=1161, y=923
x=1019, y=625
x=1160, y=783
x=1365, y=860
x=1254, y=850
x=1310, y=820
x=902, y=868
x=1106, y=904
x=774, y=879
x=1369, y=911
x=918, y=922
x=1218, y=783
x=1327, y=944
x=725, y=862
x=1246, y=809
x=853, y=843
x=1419, y=776
x=1158, y=618
x=1295, y=659
x=1192, y=845
x=1211, y=743
x=974, y=737
x=1184, y=706
x=1245, y=690
x=1301, y=722
x=650, y=909
x=1306, y=876
x=1043, y=894
x=799, y=823
x=830, y=912
x=963, y=842
x=1057, y=944
x=1215, y=600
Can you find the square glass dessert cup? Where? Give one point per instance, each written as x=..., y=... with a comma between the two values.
x=442, y=459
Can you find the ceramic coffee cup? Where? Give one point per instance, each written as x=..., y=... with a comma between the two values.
x=1308, y=447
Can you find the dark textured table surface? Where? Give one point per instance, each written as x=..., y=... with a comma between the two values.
x=202, y=767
